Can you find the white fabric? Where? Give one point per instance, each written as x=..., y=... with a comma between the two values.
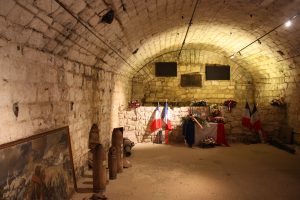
x=210, y=131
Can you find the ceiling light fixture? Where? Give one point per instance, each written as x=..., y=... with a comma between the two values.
x=287, y=24
x=108, y=17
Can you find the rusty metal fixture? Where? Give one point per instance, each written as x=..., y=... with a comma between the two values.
x=117, y=141
x=94, y=136
x=99, y=168
x=112, y=163
x=127, y=144
x=120, y=159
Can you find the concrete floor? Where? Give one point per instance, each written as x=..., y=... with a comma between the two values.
x=246, y=172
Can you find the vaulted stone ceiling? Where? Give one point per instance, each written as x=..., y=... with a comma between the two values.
x=144, y=29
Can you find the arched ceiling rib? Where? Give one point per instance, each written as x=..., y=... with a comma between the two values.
x=152, y=27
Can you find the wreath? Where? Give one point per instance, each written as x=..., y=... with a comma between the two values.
x=214, y=110
x=230, y=104
x=279, y=102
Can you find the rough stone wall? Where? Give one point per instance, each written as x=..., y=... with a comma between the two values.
x=155, y=89
x=268, y=89
x=53, y=92
x=137, y=122
x=239, y=88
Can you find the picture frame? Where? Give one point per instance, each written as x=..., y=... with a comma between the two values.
x=38, y=167
x=191, y=80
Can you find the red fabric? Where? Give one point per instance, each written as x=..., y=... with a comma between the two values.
x=257, y=126
x=221, y=139
x=246, y=122
x=156, y=124
x=246, y=119
x=167, y=136
x=168, y=125
x=255, y=121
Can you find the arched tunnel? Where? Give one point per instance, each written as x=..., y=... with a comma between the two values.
x=75, y=63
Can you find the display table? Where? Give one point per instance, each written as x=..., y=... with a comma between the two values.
x=214, y=130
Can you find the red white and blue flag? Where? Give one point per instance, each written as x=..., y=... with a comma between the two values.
x=256, y=124
x=167, y=118
x=167, y=123
x=156, y=123
x=255, y=120
x=246, y=120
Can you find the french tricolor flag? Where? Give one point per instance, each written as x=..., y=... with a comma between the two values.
x=156, y=123
x=255, y=121
x=246, y=119
x=167, y=117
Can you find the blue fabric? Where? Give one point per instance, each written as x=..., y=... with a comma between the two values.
x=188, y=130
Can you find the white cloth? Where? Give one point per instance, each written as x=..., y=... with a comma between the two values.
x=210, y=131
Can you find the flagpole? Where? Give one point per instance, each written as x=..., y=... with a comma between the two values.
x=165, y=122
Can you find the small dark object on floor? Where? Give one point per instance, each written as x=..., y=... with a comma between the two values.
x=205, y=145
x=278, y=143
x=98, y=196
x=127, y=146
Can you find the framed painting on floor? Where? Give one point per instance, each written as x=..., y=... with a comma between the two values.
x=38, y=167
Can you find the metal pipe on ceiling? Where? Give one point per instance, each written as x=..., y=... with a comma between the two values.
x=188, y=29
x=261, y=37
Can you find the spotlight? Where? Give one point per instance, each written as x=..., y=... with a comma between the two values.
x=108, y=17
x=288, y=23
x=232, y=56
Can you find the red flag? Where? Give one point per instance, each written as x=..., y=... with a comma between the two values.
x=246, y=120
x=167, y=117
x=255, y=121
x=156, y=123
x=167, y=136
x=256, y=124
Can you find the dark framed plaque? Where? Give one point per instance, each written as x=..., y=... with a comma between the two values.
x=191, y=80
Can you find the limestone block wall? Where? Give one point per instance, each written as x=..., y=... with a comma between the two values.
x=287, y=87
x=152, y=89
x=53, y=92
x=240, y=87
x=137, y=122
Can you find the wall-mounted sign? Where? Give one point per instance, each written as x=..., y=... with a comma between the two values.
x=191, y=80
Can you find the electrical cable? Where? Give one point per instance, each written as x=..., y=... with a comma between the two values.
x=259, y=39
x=187, y=31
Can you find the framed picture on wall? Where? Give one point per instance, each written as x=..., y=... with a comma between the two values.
x=191, y=80
x=38, y=167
